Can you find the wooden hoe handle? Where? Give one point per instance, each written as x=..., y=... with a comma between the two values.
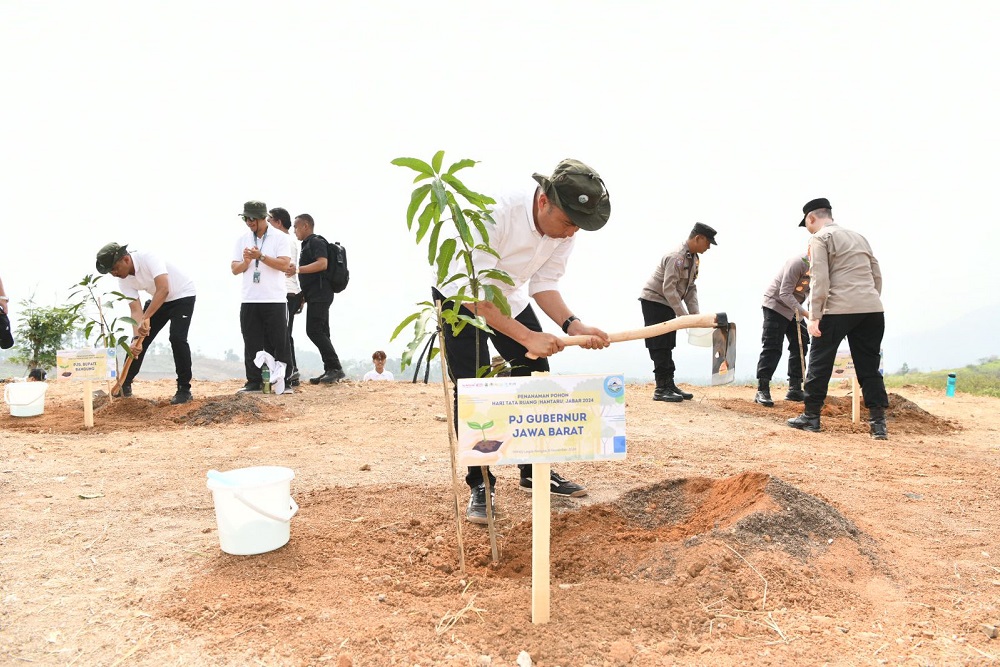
x=682, y=322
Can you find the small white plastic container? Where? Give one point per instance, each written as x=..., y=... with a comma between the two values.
x=26, y=399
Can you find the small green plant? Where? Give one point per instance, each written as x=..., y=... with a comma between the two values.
x=481, y=427
x=441, y=202
x=109, y=334
x=41, y=333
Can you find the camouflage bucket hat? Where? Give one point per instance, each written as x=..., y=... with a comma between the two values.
x=579, y=192
x=254, y=210
x=108, y=255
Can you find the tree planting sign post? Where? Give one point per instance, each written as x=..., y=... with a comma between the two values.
x=843, y=369
x=87, y=365
x=540, y=420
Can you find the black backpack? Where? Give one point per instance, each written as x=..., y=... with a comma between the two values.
x=337, y=273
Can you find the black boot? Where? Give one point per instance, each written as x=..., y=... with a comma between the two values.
x=676, y=390
x=807, y=421
x=795, y=392
x=876, y=424
x=764, y=394
x=663, y=393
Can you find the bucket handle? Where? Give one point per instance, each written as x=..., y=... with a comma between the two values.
x=292, y=508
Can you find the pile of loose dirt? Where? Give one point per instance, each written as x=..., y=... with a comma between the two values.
x=128, y=414
x=902, y=416
x=663, y=548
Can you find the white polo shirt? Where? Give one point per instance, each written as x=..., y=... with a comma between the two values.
x=534, y=262
x=271, y=287
x=147, y=267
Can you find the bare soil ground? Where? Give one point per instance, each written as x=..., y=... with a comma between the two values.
x=725, y=538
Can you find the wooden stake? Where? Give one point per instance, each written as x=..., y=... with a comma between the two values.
x=452, y=441
x=88, y=404
x=855, y=401
x=540, y=518
x=489, y=514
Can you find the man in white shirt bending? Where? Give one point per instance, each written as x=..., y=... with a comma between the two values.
x=533, y=238
x=172, y=301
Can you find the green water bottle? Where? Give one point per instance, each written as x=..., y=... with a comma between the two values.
x=265, y=379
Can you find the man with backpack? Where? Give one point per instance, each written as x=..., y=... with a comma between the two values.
x=317, y=290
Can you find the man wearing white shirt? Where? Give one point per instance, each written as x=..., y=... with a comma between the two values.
x=261, y=256
x=172, y=301
x=282, y=221
x=378, y=373
x=533, y=237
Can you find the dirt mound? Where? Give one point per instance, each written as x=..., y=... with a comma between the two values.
x=126, y=414
x=663, y=548
x=902, y=416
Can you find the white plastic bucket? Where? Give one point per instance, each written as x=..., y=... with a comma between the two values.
x=26, y=399
x=253, y=508
x=700, y=336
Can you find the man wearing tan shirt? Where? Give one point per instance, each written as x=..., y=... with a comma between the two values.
x=671, y=292
x=845, y=303
x=784, y=318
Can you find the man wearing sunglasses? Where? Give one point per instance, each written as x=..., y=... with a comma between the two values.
x=261, y=256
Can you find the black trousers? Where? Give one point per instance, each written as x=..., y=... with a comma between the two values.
x=178, y=313
x=661, y=348
x=294, y=302
x=318, y=330
x=776, y=328
x=864, y=333
x=460, y=353
x=264, y=327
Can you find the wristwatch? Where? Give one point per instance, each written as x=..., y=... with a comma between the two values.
x=569, y=321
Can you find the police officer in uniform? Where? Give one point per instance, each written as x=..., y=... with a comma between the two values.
x=670, y=292
x=846, y=303
x=783, y=314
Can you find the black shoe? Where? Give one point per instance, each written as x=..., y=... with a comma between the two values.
x=795, y=392
x=667, y=395
x=329, y=377
x=476, y=512
x=670, y=386
x=558, y=486
x=805, y=422
x=124, y=392
x=878, y=429
x=250, y=387
x=764, y=398
x=182, y=396
x=294, y=382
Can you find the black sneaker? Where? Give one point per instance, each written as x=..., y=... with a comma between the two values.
x=763, y=397
x=250, y=387
x=182, y=396
x=329, y=377
x=476, y=512
x=558, y=485
x=878, y=429
x=124, y=392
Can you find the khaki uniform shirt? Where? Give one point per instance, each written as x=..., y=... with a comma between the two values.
x=845, y=274
x=789, y=289
x=672, y=283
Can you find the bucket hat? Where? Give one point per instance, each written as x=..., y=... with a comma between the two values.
x=108, y=255
x=254, y=210
x=579, y=192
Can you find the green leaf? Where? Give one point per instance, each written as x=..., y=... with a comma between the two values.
x=488, y=250
x=477, y=220
x=424, y=220
x=475, y=425
x=440, y=194
x=432, y=244
x=414, y=164
x=497, y=274
x=436, y=161
x=459, y=219
x=402, y=325
x=461, y=164
x=474, y=198
x=420, y=177
x=487, y=425
x=416, y=199
x=129, y=320
x=444, y=258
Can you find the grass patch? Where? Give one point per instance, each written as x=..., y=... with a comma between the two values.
x=982, y=379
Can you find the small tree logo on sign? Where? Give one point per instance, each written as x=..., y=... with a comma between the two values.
x=614, y=385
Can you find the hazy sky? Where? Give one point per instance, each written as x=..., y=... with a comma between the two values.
x=151, y=123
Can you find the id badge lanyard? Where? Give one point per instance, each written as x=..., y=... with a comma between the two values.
x=256, y=265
